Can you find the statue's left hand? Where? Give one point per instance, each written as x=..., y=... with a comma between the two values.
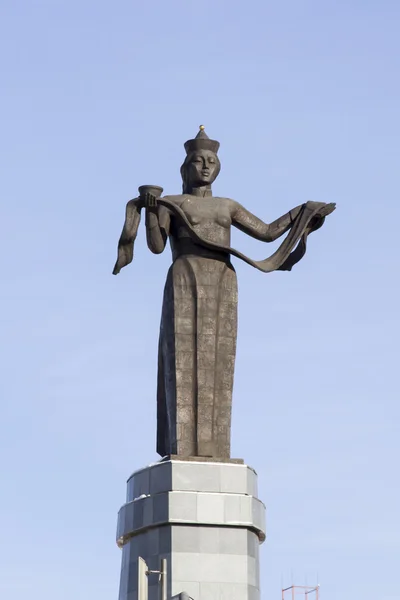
x=318, y=220
x=150, y=201
x=327, y=209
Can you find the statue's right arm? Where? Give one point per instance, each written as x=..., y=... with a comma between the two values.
x=157, y=228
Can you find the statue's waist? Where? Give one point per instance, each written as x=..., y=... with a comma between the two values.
x=186, y=246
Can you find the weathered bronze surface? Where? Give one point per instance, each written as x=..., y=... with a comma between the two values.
x=197, y=344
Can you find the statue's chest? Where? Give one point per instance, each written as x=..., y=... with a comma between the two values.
x=202, y=212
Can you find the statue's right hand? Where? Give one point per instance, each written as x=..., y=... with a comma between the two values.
x=150, y=202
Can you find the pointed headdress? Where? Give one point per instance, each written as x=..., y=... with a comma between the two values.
x=201, y=142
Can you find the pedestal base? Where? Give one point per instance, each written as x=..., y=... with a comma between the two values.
x=204, y=518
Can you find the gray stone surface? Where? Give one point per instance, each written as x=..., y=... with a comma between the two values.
x=182, y=507
x=193, y=508
x=206, y=477
x=174, y=475
x=190, y=570
x=210, y=538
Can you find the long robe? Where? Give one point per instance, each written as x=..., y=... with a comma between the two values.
x=196, y=358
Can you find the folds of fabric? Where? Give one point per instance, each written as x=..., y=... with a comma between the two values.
x=128, y=236
x=291, y=250
x=196, y=358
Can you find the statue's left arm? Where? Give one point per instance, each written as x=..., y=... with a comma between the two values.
x=157, y=228
x=244, y=220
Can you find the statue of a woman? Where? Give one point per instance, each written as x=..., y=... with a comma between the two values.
x=197, y=344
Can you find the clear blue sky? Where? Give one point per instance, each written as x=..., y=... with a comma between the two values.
x=98, y=98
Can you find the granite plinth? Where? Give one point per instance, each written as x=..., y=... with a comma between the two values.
x=204, y=518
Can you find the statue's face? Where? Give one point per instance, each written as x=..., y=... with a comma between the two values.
x=202, y=169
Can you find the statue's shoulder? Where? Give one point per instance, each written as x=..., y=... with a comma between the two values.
x=174, y=199
x=227, y=202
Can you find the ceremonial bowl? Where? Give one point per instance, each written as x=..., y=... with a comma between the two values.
x=154, y=190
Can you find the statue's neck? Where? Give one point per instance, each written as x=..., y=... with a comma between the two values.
x=202, y=191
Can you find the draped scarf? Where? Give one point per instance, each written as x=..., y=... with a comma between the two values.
x=310, y=218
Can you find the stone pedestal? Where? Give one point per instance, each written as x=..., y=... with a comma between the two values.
x=204, y=518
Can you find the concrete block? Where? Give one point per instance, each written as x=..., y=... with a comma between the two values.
x=209, y=568
x=125, y=520
x=246, y=507
x=123, y=584
x=257, y=567
x=137, y=508
x=233, y=541
x=210, y=508
x=182, y=507
x=160, y=508
x=209, y=591
x=132, y=577
x=252, y=482
x=186, y=539
x=234, y=479
x=185, y=566
x=253, y=544
x=138, y=547
x=232, y=506
x=195, y=477
x=258, y=516
x=224, y=568
x=131, y=549
x=253, y=593
x=252, y=574
x=161, y=478
x=153, y=542
x=147, y=515
x=139, y=484
x=126, y=553
x=129, y=490
x=209, y=540
x=165, y=539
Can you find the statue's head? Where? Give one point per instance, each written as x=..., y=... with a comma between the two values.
x=201, y=165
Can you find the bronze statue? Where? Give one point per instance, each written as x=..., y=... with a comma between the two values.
x=197, y=345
